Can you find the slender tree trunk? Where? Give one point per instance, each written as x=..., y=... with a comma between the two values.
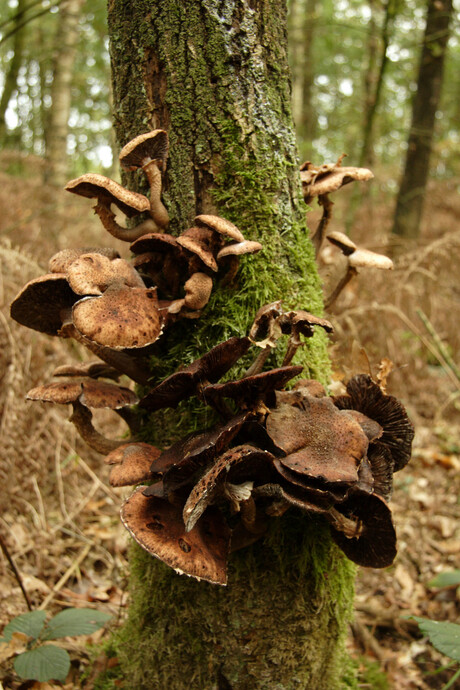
x=56, y=171
x=409, y=205
x=214, y=74
x=11, y=77
x=308, y=119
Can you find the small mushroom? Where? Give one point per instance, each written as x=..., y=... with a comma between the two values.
x=203, y=243
x=320, y=181
x=355, y=258
x=157, y=526
x=198, y=290
x=92, y=274
x=60, y=262
x=149, y=151
x=108, y=192
x=94, y=370
x=83, y=395
x=220, y=225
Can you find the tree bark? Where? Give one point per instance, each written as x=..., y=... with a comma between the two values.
x=214, y=74
x=409, y=205
x=11, y=76
x=57, y=121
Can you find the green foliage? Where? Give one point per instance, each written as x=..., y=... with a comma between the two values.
x=450, y=578
x=43, y=662
x=443, y=635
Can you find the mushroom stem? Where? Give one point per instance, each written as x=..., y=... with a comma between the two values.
x=131, y=418
x=350, y=272
x=293, y=346
x=81, y=417
x=317, y=239
x=157, y=210
x=121, y=361
x=257, y=365
x=107, y=218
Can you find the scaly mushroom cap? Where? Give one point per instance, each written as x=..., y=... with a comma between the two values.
x=92, y=394
x=42, y=302
x=108, y=192
x=92, y=274
x=122, y=318
x=318, y=442
x=211, y=367
x=159, y=242
x=221, y=225
x=60, y=262
x=158, y=527
x=398, y=432
x=131, y=463
x=145, y=148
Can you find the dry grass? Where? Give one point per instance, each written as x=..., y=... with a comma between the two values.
x=58, y=515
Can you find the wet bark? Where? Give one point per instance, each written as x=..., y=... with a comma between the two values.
x=409, y=205
x=214, y=74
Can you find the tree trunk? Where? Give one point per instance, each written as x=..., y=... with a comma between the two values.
x=215, y=75
x=56, y=171
x=11, y=76
x=409, y=205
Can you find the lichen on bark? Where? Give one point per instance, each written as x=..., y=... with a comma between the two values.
x=214, y=74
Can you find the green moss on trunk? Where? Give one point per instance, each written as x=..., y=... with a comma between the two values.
x=214, y=74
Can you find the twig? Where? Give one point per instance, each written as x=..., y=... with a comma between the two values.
x=61, y=582
x=15, y=571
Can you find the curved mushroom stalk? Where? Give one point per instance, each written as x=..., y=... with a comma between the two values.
x=318, y=236
x=107, y=218
x=81, y=417
x=158, y=211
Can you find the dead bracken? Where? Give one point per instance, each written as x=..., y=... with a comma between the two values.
x=280, y=444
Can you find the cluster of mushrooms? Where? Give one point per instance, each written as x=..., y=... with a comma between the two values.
x=274, y=448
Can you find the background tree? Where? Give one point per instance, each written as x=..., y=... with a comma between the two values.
x=411, y=194
x=215, y=76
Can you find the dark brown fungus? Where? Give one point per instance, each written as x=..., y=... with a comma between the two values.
x=42, y=303
x=211, y=367
x=216, y=481
x=94, y=370
x=158, y=527
x=373, y=543
x=398, y=432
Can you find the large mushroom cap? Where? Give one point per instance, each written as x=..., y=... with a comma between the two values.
x=122, y=318
x=324, y=179
x=251, y=388
x=158, y=527
x=42, y=302
x=221, y=225
x=91, y=274
x=145, y=148
x=108, y=191
x=60, y=262
x=130, y=463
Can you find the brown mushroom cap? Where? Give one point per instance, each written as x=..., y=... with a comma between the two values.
x=318, y=442
x=251, y=388
x=302, y=322
x=131, y=463
x=374, y=545
x=60, y=262
x=317, y=181
x=211, y=367
x=221, y=225
x=339, y=239
x=155, y=242
x=90, y=393
x=91, y=274
x=41, y=303
x=158, y=527
x=108, y=191
x=211, y=483
x=366, y=396
x=364, y=258
x=239, y=248
x=263, y=320
x=145, y=148
x=94, y=370
x=203, y=243
x=122, y=318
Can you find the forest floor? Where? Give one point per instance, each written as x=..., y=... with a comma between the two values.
x=59, y=516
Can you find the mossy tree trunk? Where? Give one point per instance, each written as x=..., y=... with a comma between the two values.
x=214, y=74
